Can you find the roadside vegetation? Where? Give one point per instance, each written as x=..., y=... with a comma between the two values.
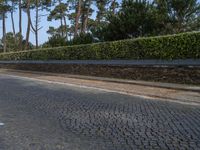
x=180, y=46
x=94, y=21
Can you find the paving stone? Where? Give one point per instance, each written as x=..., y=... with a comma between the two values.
x=117, y=122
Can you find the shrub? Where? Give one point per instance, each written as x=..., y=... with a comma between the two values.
x=83, y=39
x=180, y=46
x=55, y=41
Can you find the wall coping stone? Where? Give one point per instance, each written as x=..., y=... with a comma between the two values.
x=180, y=62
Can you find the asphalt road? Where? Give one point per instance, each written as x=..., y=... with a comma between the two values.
x=43, y=116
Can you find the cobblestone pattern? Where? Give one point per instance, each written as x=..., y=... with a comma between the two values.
x=116, y=122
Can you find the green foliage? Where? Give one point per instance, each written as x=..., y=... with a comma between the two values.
x=104, y=20
x=13, y=42
x=55, y=41
x=134, y=19
x=58, y=12
x=180, y=46
x=178, y=15
x=139, y=18
x=82, y=39
x=57, y=31
x=101, y=10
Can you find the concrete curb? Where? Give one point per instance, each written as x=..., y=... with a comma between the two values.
x=182, y=87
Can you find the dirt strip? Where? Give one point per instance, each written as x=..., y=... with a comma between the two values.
x=185, y=97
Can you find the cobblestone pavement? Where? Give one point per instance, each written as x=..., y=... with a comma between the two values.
x=51, y=116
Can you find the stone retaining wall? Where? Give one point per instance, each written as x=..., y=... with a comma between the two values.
x=189, y=74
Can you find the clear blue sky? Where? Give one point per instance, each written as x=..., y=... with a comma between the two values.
x=43, y=36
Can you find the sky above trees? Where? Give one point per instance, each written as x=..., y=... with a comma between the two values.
x=43, y=36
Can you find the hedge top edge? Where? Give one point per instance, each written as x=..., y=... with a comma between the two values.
x=177, y=46
x=133, y=39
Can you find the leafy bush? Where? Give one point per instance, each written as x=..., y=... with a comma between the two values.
x=180, y=46
x=55, y=41
x=83, y=39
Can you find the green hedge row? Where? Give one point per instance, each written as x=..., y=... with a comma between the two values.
x=180, y=46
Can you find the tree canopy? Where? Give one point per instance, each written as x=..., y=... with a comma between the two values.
x=88, y=21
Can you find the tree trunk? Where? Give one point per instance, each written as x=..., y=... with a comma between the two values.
x=20, y=24
x=113, y=6
x=85, y=21
x=61, y=24
x=28, y=25
x=36, y=24
x=78, y=14
x=4, y=31
x=13, y=22
x=65, y=22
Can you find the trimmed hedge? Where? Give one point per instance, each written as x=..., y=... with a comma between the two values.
x=180, y=46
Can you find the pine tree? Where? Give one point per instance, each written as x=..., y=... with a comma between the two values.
x=180, y=15
x=4, y=8
x=39, y=6
x=85, y=14
x=59, y=13
x=12, y=10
